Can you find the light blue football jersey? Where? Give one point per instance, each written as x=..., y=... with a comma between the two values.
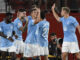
x=17, y=25
x=32, y=33
x=7, y=29
x=69, y=28
x=43, y=33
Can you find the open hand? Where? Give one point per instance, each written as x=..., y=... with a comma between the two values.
x=53, y=7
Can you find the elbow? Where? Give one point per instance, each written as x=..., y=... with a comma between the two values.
x=58, y=19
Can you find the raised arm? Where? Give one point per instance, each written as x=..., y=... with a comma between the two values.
x=55, y=14
x=23, y=29
x=37, y=19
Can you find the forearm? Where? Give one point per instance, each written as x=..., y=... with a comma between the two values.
x=6, y=37
x=25, y=27
x=56, y=16
x=2, y=35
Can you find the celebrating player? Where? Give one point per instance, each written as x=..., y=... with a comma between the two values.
x=43, y=35
x=70, y=43
x=7, y=32
x=31, y=45
x=19, y=29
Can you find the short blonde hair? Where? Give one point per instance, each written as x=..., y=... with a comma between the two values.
x=66, y=9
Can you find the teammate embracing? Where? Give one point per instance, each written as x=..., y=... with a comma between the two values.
x=43, y=35
x=19, y=29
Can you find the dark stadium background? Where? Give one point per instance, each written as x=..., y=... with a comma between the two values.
x=56, y=27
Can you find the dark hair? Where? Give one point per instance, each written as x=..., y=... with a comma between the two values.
x=33, y=6
x=21, y=10
x=52, y=34
x=32, y=10
x=43, y=14
x=9, y=15
x=66, y=9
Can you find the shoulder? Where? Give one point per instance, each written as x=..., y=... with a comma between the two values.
x=61, y=18
x=12, y=23
x=2, y=22
x=40, y=23
x=45, y=22
x=72, y=18
x=29, y=17
x=16, y=20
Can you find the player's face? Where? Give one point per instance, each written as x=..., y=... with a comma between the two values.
x=9, y=18
x=34, y=13
x=52, y=37
x=62, y=12
x=22, y=14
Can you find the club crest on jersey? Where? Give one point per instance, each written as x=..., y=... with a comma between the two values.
x=19, y=24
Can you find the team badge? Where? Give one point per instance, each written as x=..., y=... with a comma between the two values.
x=19, y=24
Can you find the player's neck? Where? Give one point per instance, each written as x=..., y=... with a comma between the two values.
x=40, y=19
x=66, y=16
x=20, y=18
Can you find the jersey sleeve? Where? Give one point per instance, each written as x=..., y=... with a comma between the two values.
x=14, y=26
x=61, y=19
x=28, y=17
x=31, y=22
x=75, y=22
x=0, y=27
x=45, y=31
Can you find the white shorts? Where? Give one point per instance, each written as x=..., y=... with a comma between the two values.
x=70, y=47
x=8, y=49
x=19, y=46
x=31, y=50
x=44, y=51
